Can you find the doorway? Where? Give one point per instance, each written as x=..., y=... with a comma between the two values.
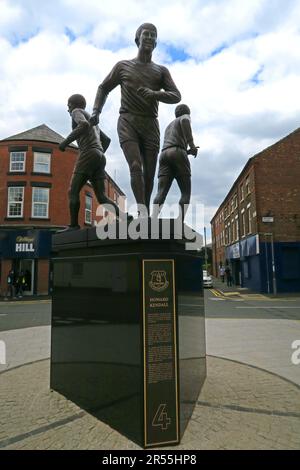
x=27, y=266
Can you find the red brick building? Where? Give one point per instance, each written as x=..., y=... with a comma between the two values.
x=34, y=182
x=256, y=229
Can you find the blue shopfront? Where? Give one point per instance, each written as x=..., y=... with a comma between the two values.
x=22, y=251
x=265, y=266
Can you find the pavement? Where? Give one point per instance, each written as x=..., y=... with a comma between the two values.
x=237, y=291
x=26, y=298
x=250, y=399
x=255, y=329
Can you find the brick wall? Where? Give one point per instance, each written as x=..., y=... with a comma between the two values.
x=273, y=176
x=62, y=164
x=5, y=268
x=277, y=173
x=42, y=276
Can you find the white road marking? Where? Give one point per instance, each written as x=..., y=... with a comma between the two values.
x=191, y=305
x=267, y=306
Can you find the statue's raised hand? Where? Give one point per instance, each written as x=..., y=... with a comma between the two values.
x=94, y=119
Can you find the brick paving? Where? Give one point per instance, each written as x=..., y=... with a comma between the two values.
x=239, y=407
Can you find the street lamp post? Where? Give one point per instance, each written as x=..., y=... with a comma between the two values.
x=273, y=266
x=205, y=249
x=267, y=266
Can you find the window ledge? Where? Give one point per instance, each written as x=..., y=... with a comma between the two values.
x=40, y=173
x=13, y=218
x=16, y=173
x=40, y=218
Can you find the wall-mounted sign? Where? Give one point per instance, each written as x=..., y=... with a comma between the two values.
x=24, y=244
x=268, y=219
x=236, y=250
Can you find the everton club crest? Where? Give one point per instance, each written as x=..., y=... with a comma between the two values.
x=159, y=281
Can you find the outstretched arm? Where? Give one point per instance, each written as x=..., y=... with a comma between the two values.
x=108, y=84
x=82, y=127
x=187, y=131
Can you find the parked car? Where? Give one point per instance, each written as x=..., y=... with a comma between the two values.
x=207, y=280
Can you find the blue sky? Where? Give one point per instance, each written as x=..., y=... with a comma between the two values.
x=236, y=64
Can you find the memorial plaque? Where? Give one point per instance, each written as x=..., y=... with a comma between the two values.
x=161, y=409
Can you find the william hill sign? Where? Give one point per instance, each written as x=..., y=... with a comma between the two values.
x=24, y=245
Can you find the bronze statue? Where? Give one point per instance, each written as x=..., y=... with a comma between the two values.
x=91, y=161
x=143, y=84
x=174, y=162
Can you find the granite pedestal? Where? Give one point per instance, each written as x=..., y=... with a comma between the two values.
x=128, y=332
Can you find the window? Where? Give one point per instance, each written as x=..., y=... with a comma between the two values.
x=243, y=224
x=249, y=221
x=15, y=201
x=41, y=162
x=233, y=232
x=237, y=229
x=40, y=202
x=17, y=161
x=247, y=184
x=242, y=192
x=88, y=209
x=234, y=202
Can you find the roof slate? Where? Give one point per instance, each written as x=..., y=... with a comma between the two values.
x=42, y=133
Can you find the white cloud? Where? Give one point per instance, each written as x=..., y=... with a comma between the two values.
x=243, y=98
x=9, y=13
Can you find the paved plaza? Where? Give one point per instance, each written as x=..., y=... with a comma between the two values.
x=250, y=400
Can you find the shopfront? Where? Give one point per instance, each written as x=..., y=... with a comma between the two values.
x=27, y=253
x=243, y=257
x=233, y=257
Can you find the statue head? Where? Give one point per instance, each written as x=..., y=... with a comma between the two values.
x=146, y=36
x=182, y=109
x=76, y=101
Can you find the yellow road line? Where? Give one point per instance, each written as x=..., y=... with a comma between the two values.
x=216, y=293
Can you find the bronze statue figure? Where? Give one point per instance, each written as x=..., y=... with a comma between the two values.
x=174, y=162
x=143, y=84
x=91, y=161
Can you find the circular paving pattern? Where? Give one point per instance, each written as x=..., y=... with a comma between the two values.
x=239, y=407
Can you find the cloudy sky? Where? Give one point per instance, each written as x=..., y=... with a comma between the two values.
x=236, y=63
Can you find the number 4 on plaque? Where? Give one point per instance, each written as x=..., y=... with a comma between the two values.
x=161, y=418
